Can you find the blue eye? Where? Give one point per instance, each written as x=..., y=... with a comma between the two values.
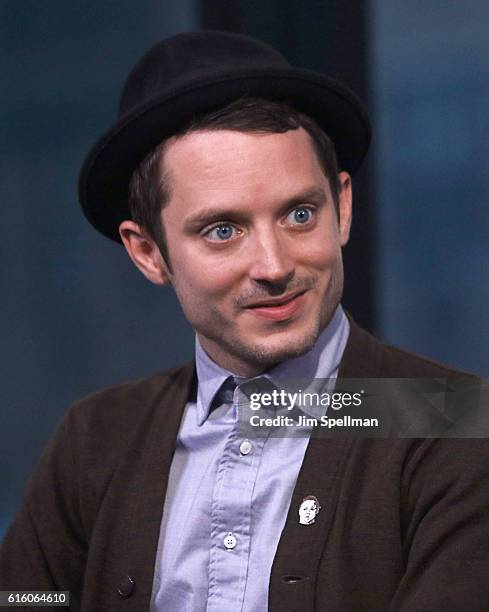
x=300, y=215
x=221, y=232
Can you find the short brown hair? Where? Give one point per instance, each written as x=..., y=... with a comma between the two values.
x=149, y=189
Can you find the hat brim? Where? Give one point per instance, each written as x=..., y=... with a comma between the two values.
x=107, y=170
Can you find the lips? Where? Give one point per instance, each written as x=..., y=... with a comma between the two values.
x=279, y=309
x=278, y=302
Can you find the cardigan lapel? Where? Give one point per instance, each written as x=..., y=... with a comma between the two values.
x=146, y=466
x=363, y=355
x=292, y=582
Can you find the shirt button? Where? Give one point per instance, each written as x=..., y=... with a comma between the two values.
x=230, y=541
x=245, y=447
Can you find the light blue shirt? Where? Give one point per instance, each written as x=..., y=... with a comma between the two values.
x=228, y=497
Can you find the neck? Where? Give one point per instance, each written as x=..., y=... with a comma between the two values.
x=234, y=365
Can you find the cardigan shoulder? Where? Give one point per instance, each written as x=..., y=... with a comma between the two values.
x=119, y=408
x=396, y=361
x=104, y=426
x=368, y=357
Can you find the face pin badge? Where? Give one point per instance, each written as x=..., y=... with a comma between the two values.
x=308, y=510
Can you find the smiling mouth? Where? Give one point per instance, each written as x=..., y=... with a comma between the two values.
x=279, y=309
x=278, y=302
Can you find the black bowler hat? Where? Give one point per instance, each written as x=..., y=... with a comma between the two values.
x=193, y=73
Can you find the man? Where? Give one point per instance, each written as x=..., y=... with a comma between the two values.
x=308, y=510
x=220, y=178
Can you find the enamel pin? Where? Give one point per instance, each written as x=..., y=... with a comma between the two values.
x=308, y=510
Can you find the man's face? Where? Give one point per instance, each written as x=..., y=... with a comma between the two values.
x=307, y=512
x=254, y=242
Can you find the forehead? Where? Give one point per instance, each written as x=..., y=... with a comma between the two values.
x=228, y=165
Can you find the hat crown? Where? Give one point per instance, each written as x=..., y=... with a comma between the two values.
x=190, y=57
x=195, y=73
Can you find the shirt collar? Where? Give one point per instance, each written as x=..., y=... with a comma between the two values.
x=211, y=377
x=322, y=361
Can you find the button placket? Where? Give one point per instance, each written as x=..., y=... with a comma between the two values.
x=231, y=516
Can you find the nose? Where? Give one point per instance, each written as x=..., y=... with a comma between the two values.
x=271, y=261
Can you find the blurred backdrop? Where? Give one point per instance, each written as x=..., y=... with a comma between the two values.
x=77, y=316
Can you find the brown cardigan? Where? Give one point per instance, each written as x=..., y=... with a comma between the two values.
x=404, y=524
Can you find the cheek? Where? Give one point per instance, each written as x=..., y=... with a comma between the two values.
x=323, y=256
x=322, y=247
x=208, y=268
x=201, y=283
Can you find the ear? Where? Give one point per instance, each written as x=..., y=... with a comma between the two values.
x=345, y=206
x=144, y=252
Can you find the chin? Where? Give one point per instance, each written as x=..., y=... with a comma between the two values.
x=265, y=355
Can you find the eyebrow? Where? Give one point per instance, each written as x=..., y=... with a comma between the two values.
x=208, y=215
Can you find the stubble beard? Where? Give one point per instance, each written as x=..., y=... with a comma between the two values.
x=262, y=357
x=258, y=355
